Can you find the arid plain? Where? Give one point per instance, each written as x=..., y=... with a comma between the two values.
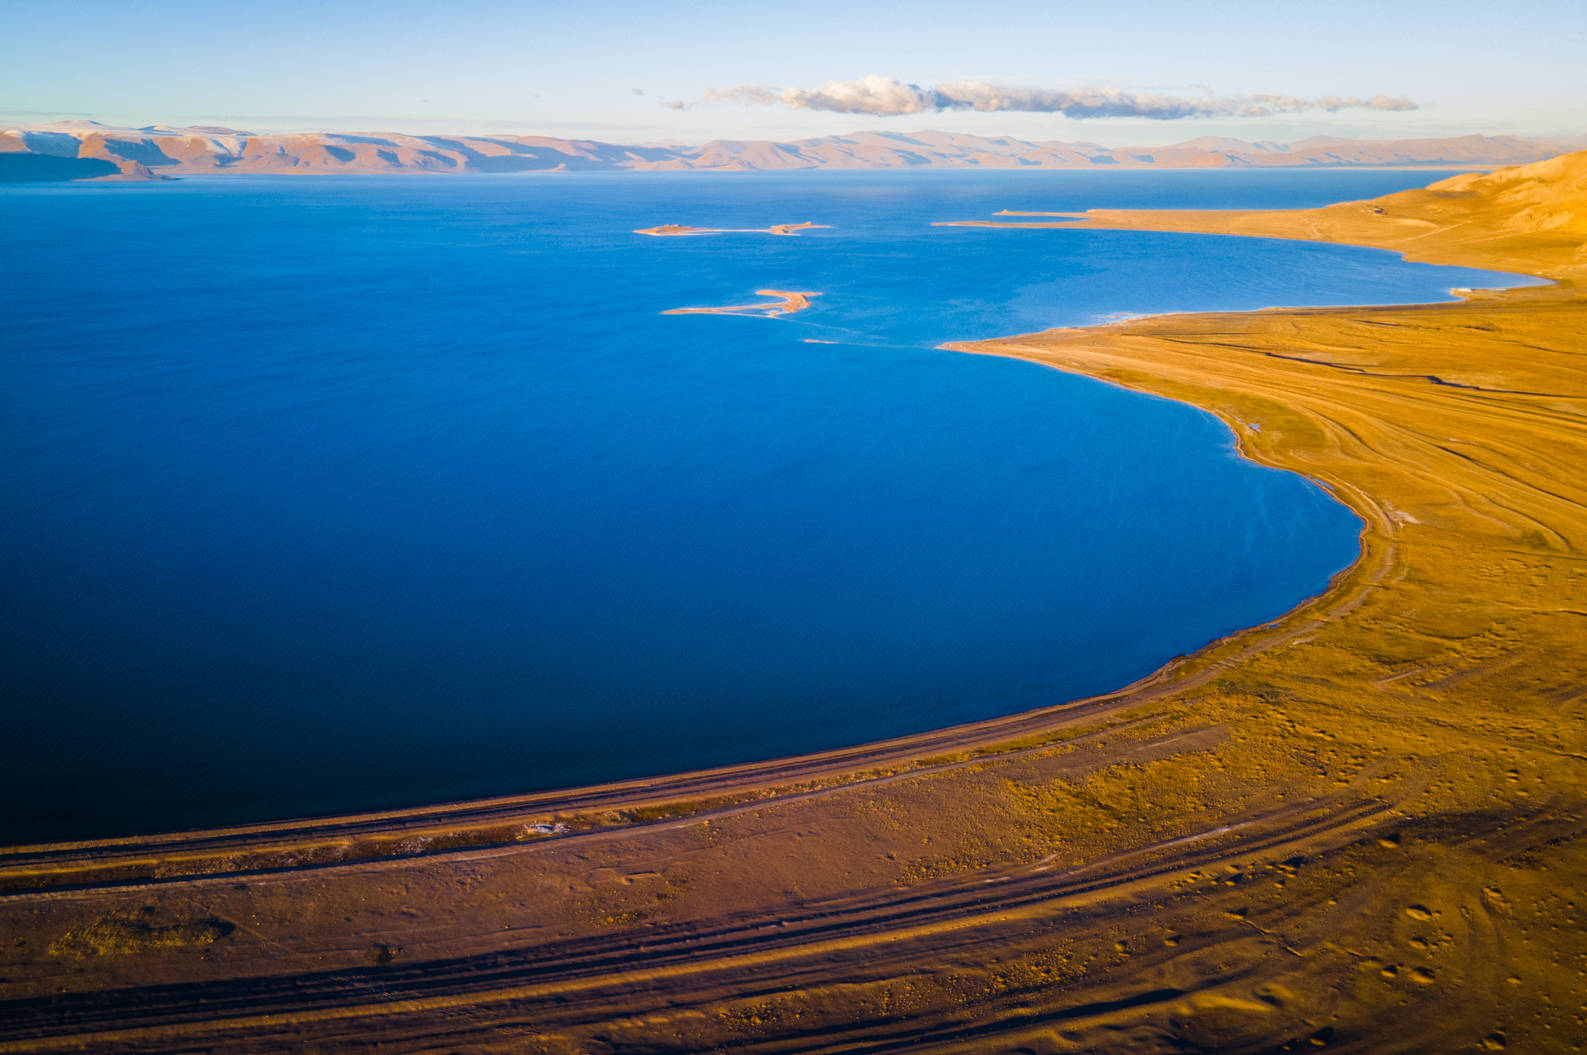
x=1357, y=828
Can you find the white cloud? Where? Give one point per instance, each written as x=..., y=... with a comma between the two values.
x=883, y=96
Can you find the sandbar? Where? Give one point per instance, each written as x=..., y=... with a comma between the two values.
x=1073, y=220
x=783, y=302
x=678, y=230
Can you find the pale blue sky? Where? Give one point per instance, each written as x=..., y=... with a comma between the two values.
x=571, y=68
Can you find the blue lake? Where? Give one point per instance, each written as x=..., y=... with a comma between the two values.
x=321, y=494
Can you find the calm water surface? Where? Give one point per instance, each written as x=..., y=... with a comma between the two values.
x=323, y=494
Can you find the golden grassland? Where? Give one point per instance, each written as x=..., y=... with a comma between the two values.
x=1357, y=828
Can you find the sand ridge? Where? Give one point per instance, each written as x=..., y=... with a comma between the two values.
x=1359, y=826
x=678, y=230
x=783, y=302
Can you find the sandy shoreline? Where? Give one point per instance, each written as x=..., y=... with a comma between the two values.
x=1360, y=824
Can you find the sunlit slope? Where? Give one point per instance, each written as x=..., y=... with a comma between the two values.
x=160, y=150
x=1529, y=218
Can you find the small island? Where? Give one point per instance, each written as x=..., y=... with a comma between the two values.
x=680, y=230
x=786, y=302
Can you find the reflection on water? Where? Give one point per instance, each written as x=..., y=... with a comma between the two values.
x=325, y=494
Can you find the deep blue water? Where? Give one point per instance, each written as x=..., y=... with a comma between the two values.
x=320, y=494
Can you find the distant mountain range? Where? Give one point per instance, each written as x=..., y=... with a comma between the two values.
x=88, y=150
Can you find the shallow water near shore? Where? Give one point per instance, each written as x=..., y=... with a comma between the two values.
x=330, y=494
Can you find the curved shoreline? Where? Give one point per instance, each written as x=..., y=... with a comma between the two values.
x=910, y=753
x=1294, y=835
